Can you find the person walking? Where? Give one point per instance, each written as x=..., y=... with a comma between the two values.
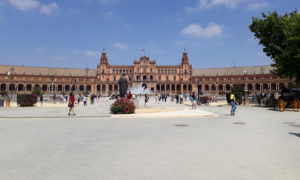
x=233, y=104
x=192, y=101
x=146, y=99
x=84, y=100
x=41, y=99
x=71, y=103
x=78, y=100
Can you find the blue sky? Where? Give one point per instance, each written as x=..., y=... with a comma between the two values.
x=71, y=33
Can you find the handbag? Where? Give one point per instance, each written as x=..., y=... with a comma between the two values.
x=69, y=104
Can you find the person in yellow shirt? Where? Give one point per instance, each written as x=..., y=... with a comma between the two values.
x=233, y=104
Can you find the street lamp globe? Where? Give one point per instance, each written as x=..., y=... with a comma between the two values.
x=8, y=73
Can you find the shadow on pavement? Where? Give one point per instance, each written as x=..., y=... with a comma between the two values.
x=296, y=134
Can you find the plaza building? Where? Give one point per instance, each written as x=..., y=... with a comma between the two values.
x=181, y=78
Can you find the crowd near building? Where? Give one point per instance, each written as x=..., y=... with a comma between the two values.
x=103, y=80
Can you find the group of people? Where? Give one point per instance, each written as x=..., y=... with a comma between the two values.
x=84, y=99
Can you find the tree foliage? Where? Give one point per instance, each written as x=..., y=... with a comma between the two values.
x=280, y=36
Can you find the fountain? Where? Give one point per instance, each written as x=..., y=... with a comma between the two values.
x=142, y=89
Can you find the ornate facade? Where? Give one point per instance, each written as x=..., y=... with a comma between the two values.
x=157, y=78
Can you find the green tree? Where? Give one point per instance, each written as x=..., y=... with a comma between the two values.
x=280, y=36
x=37, y=91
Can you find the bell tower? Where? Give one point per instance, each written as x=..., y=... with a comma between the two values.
x=185, y=58
x=103, y=59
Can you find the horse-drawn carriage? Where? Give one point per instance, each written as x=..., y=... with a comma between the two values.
x=288, y=98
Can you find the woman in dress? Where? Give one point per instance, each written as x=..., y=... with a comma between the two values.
x=71, y=103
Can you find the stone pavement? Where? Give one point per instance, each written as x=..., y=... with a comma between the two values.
x=255, y=144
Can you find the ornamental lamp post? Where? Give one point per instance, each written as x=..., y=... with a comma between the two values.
x=7, y=100
x=74, y=85
x=52, y=89
x=8, y=75
x=245, y=89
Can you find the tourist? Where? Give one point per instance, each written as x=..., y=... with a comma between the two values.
x=71, y=103
x=54, y=99
x=177, y=98
x=129, y=96
x=166, y=97
x=233, y=104
x=66, y=98
x=78, y=100
x=156, y=98
x=193, y=102
x=181, y=98
x=41, y=99
x=84, y=100
x=146, y=99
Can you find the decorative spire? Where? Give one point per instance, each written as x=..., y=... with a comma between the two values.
x=185, y=58
x=103, y=60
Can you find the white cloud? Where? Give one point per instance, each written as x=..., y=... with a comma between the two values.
x=195, y=30
x=59, y=58
x=49, y=8
x=108, y=1
x=206, y=4
x=109, y=14
x=121, y=46
x=24, y=5
x=258, y=6
x=92, y=53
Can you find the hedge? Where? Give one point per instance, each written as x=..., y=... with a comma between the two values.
x=25, y=100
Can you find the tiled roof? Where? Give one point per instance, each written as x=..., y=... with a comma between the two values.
x=232, y=71
x=47, y=71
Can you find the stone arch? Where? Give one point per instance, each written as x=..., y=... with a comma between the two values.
x=81, y=88
x=103, y=88
x=178, y=87
x=250, y=87
x=110, y=88
x=265, y=86
x=44, y=87
x=98, y=88
x=67, y=87
x=151, y=78
x=184, y=87
x=281, y=86
x=116, y=88
x=20, y=87
x=257, y=87
x=173, y=87
x=74, y=88
x=206, y=87
x=213, y=87
x=273, y=86
x=28, y=87
x=168, y=87
x=158, y=87
x=220, y=87
x=59, y=88
x=3, y=87
x=144, y=77
x=190, y=88
x=88, y=88
x=227, y=87
x=12, y=87
x=163, y=87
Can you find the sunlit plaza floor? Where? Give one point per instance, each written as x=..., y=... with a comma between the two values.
x=45, y=143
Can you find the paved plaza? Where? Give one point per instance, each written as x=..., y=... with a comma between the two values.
x=45, y=143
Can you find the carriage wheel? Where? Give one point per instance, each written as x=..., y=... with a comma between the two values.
x=281, y=105
x=295, y=105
